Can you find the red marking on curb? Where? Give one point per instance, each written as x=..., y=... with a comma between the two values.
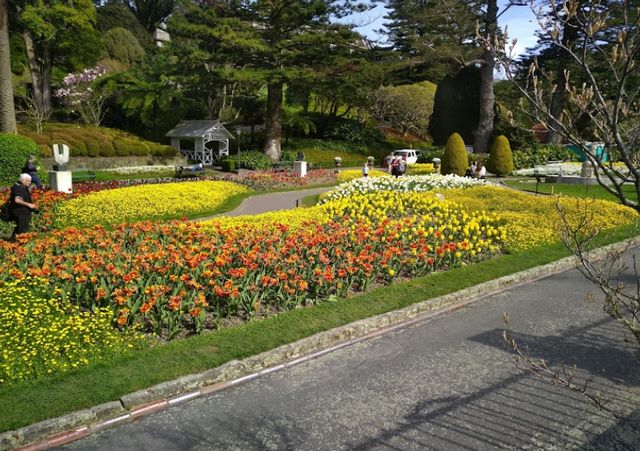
x=214, y=388
x=148, y=408
x=58, y=439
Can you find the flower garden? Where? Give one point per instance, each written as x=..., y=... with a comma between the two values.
x=93, y=282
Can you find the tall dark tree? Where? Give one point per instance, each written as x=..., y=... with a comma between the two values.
x=7, y=108
x=482, y=134
x=456, y=106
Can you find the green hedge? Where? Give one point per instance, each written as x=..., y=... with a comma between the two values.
x=14, y=151
x=530, y=156
x=89, y=141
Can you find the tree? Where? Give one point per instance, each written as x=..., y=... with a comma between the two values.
x=604, y=92
x=82, y=94
x=57, y=32
x=434, y=38
x=456, y=106
x=151, y=13
x=121, y=45
x=455, y=159
x=7, y=108
x=407, y=107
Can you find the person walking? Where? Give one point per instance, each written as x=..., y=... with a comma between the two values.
x=365, y=170
x=31, y=168
x=21, y=205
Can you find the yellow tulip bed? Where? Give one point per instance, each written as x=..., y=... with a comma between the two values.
x=420, y=169
x=534, y=220
x=351, y=174
x=157, y=201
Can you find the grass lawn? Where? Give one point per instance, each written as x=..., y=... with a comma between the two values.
x=32, y=401
x=591, y=191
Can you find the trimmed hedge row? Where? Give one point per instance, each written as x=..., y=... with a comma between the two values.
x=88, y=141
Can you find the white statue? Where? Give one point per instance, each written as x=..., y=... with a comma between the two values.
x=61, y=155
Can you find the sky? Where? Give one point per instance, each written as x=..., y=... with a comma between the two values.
x=519, y=20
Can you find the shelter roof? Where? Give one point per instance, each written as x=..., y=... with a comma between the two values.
x=198, y=129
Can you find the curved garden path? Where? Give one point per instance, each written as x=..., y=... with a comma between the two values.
x=263, y=203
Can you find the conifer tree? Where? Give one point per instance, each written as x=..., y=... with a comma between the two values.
x=455, y=159
x=500, y=160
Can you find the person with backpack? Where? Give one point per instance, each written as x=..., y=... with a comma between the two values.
x=21, y=205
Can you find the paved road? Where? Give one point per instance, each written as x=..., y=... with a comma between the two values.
x=263, y=203
x=447, y=383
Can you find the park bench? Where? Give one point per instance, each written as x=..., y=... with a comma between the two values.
x=190, y=170
x=82, y=175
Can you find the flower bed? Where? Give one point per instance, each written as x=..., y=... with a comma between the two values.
x=184, y=276
x=533, y=220
x=418, y=183
x=43, y=334
x=125, y=205
x=352, y=174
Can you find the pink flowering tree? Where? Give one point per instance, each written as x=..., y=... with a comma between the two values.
x=82, y=94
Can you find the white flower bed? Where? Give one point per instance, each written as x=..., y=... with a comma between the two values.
x=571, y=168
x=544, y=169
x=140, y=169
x=415, y=183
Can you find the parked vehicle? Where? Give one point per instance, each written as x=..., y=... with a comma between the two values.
x=409, y=155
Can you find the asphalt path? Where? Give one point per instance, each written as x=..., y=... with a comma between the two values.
x=263, y=203
x=447, y=383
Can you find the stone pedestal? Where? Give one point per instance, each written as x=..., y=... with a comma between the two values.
x=587, y=169
x=60, y=181
x=300, y=168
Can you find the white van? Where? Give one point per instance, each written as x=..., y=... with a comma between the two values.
x=408, y=155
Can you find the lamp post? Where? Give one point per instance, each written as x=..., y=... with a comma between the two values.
x=238, y=133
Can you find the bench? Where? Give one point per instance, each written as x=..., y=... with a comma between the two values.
x=190, y=170
x=82, y=175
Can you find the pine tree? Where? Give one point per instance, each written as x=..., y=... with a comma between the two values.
x=455, y=159
x=433, y=37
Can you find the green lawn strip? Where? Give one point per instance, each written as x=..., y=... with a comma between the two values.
x=32, y=401
x=310, y=201
x=591, y=191
x=106, y=176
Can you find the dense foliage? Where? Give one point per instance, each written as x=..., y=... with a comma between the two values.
x=14, y=151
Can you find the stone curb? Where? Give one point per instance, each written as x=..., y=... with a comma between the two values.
x=67, y=428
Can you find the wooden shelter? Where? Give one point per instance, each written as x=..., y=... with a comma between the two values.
x=203, y=141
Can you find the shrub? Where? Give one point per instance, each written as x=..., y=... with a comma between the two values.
x=93, y=149
x=535, y=154
x=106, y=149
x=121, y=45
x=14, y=151
x=455, y=159
x=228, y=165
x=353, y=131
x=254, y=159
x=500, y=160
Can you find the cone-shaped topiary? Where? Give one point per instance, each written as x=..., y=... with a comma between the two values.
x=454, y=160
x=500, y=160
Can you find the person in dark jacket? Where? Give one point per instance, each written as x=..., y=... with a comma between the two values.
x=21, y=205
x=31, y=168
